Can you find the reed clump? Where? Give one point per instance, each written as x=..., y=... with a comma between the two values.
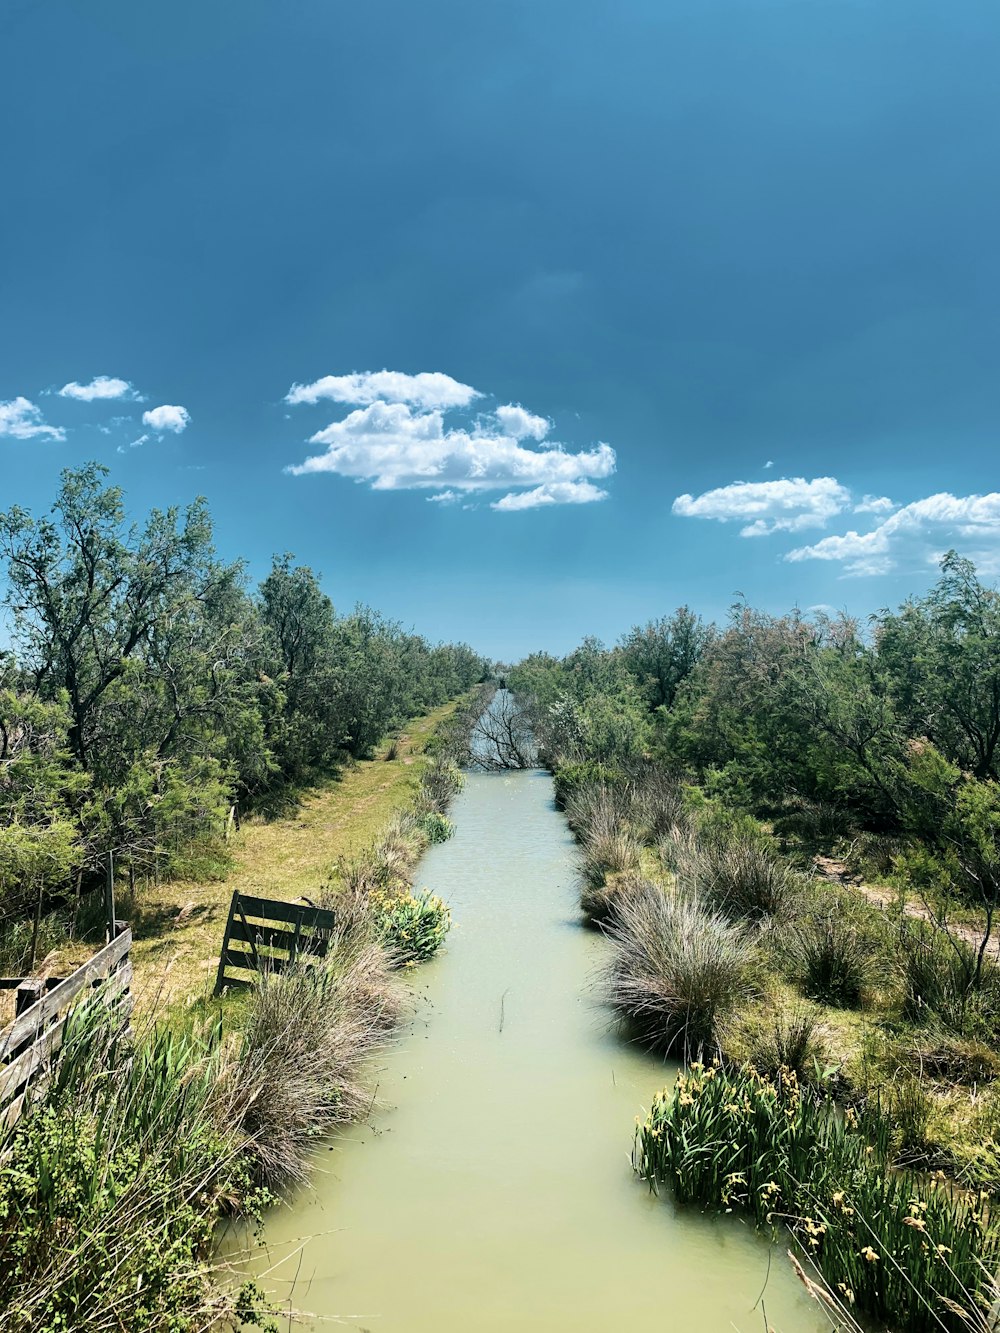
x=892, y=1245
x=678, y=971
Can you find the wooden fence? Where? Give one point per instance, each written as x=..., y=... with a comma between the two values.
x=265, y=935
x=42, y=1007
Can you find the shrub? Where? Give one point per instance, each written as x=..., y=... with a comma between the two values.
x=678, y=970
x=740, y=876
x=888, y=1242
x=573, y=778
x=610, y=854
x=305, y=1036
x=412, y=925
x=112, y=1185
x=834, y=959
x=598, y=811
x=600, y=901
x=436, y=827
x=792, y=1040
x=941, y=985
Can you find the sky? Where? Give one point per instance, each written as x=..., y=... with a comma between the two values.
x=517, y=321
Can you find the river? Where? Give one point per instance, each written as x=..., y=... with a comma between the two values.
x=493, y=1190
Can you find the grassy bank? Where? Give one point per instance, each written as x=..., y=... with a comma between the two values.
x=111, y=1185
x=797, y=994
x=177, y=926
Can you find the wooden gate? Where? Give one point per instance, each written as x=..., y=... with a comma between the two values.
x=28, y=1044
x=265, y=935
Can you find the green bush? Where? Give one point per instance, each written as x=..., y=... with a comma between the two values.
x=942, y=986
x=834, y=958
x=413, y=925
x=437, y=827
x=572, y=778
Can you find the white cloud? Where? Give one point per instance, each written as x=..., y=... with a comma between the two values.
x=133, y=444
x=788, y=505
x=101, y=387
x=769, y=464
x=875, y=504
x=445, y=498
x=551, y=493
x=429, y=389
x=910, y=528
x=20, y=419
x=169, y=416
x=406, y=444
x=522, y=425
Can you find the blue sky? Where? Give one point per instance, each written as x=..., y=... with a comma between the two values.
x=736, y=260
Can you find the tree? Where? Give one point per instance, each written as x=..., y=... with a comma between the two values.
x=662, y=653
x=943, y=654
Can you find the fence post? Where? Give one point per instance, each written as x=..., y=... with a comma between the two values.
x=109, y=899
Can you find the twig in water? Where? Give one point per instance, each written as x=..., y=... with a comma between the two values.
x=502, y=998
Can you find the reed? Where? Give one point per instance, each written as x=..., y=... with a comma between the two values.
x=678, y=971
x=896, y=1246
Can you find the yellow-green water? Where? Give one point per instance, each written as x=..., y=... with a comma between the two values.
x=493, y=1191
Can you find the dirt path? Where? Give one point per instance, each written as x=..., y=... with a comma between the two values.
x=837, y=872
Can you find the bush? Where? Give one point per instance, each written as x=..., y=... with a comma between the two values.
x=111, y=1187
x=678, y=970
x=412, y=925
x=941, y=987
x=599, y=902
x=615, y=853
x=569, y=779
x=887, y=1242
x=740, y=876
x=306, y=1034
x=436, y=827
x=834, y=959
x=792, y=1040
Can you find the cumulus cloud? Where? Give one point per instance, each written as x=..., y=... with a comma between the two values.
x=875, y=504
x=169, y=416
x=99, y=388
x=551, y=493
x=405, y=443
x=788, y=505
x=20, y=419
x=522, y=425
x=429, y=389
x=911, y=528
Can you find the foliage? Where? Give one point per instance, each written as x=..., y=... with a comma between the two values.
x=412, y=925
x=150, y=690
x=897, y=1247
x=678, y=971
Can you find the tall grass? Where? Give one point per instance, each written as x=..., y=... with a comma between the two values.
x=295, y=1072
x=739, y=875
x=942, y=986
x=678, y=971
x=111, y=1186
x=898, y=1247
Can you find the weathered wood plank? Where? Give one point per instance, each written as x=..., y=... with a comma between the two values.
x=311, y=918
x=274, y=937
x=50, y=1006
x=15, y=1075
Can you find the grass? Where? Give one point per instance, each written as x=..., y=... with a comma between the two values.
x=177, y=926
x=679, y=971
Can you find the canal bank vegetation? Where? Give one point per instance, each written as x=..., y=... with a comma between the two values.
x=152, y=698
x=790, y=830
x=113, y=1182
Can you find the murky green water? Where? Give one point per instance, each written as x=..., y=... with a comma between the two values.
x=494, y=1192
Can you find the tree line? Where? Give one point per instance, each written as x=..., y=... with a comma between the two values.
x=885, y=733
x=147, y=688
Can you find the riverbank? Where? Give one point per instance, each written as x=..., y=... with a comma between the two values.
x=144, y=1141
x=177, y=926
